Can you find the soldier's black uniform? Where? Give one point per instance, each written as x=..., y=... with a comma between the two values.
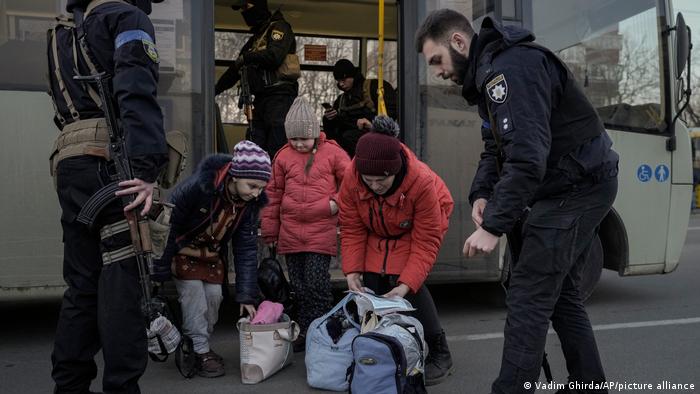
x=101, y=307
x=545, y=148
x=263, y=54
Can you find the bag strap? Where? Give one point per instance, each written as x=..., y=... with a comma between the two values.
x=61, y=84
x=342, y=304
x=289, y=334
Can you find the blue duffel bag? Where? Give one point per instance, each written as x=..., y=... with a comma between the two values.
x=327, y=361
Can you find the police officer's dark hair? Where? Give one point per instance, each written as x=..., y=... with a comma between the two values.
x=439, y=26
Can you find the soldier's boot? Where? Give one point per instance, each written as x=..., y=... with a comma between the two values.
x=438, y=364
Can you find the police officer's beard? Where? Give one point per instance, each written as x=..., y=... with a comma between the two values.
x=255, y=16
x=460, y=64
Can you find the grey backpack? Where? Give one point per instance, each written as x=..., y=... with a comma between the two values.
x=389, y=359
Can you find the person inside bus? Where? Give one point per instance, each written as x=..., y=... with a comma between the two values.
x=217, y=205
x=547, y=150
x=394, y=213
x=349, y=116
x=272, y=67
x=101, y=309
x=301, y=218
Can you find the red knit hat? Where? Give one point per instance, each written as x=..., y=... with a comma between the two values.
x=377, y=152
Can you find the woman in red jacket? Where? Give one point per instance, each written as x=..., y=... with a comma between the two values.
x=301, y=217
x=394, y=212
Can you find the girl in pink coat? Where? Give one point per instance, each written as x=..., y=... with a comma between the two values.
x=302, y=213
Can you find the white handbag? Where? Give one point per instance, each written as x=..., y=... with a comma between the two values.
x=265, y=348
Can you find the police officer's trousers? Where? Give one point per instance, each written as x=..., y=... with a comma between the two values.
x=268, y=121
x=557, y=238
x=101, y=307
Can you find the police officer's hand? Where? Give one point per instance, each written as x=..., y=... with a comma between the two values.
x=248, y=308
x=143, y=191
x=364, y=124
x=481, y=241
x=354, y=282
x=478, y=211
x=330, y=114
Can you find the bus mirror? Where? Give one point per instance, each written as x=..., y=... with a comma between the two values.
x=682, y=44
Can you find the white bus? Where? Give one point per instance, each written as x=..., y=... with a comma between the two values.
x=624, y=53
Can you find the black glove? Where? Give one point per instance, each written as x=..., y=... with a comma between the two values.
x=161, y=271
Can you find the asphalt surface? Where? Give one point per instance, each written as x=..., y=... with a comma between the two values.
x=647, y=328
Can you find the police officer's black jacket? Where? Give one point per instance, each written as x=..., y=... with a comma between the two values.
x=538, y=126
x=262, y=77
x=350, y=108
x=120, y=39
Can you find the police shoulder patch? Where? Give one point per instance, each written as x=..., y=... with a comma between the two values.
x=277, y=34
x=150, y=48
x=497, y=89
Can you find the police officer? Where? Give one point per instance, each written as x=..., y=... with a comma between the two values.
x=272, y=69
x=351, y=114
x=101, y=307
x=546, y=149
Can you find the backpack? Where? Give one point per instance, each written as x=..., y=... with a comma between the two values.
x=273, y=283
x=390, y=359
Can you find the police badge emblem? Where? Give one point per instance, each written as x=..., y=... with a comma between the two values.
x=497, y=89
x=277, y=35
x=150, y=48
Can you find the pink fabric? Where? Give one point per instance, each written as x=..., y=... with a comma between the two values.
x=298, y=215
x=268, y=313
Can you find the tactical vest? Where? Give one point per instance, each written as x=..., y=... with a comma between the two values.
x=573, y=120
x=77, y=105
x=289, y=70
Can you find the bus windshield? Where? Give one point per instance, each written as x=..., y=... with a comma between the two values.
x=612, y=47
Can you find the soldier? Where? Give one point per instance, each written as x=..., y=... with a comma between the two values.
x=272, y=66
x=546, y=149
x=101, y=307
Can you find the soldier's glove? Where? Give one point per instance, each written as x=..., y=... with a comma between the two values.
x=239, y=62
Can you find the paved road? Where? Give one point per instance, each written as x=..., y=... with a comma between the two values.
x=648, y=330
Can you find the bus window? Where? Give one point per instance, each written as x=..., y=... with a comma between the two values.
x=391, y=55
x=23, y=26
x=613, y=50
x=316, y=84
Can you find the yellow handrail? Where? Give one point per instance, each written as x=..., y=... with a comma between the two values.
x=381, y=107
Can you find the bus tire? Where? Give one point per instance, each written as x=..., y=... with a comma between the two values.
x=592, y=270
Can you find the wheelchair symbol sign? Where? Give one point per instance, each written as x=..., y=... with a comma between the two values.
x=644, y=173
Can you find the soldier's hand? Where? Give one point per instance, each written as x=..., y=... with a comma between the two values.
x=330, y=114
x=478, y=211
x=143, y=191
x=481, y=241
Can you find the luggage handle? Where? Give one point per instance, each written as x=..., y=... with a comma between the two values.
x=289, y=334
x=342, y=304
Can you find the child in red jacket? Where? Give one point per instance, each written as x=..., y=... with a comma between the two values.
x=301, y=217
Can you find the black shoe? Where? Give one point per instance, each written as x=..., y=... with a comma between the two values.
x=299, y=344
x=438, y=364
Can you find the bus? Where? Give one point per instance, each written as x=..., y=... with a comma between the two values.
x=629, y=57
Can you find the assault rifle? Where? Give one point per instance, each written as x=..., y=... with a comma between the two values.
x=245, y=101
x=138, y=225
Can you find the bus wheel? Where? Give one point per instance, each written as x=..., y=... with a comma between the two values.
x=590, y=275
